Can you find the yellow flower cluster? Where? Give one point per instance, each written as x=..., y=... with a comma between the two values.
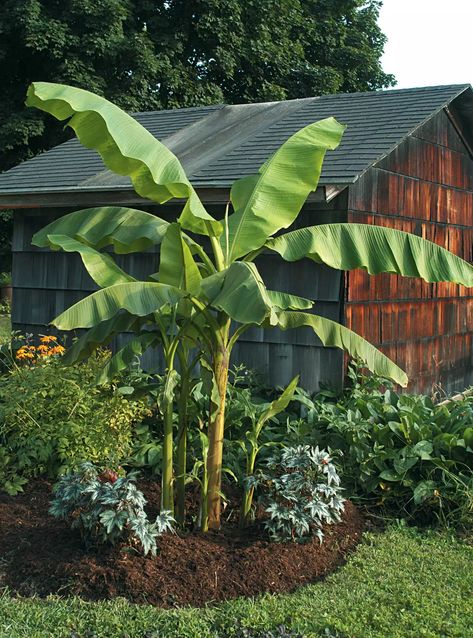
x=48, y=347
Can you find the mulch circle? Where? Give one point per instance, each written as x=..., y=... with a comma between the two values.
x=40, y=555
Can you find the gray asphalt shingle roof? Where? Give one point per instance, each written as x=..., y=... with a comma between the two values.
x=218, y=144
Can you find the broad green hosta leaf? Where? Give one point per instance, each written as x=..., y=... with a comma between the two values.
x=100, y=335
x=177, y=266
x=374, y=248
x=128, y=230
x=285, y=301
x=125, y=146
x=100, y=266
x=122, y=359
x=240, y=292
x=138, y=298
x=272, y=199
x=278, y=405
x=335, y=335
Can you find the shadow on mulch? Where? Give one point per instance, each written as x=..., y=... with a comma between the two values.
x=41, y=556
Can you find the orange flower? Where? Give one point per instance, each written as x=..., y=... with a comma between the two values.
x=57, y=350
x=48, y=339
x=43, y=349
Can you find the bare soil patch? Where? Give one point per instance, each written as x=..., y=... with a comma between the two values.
x=41, y=556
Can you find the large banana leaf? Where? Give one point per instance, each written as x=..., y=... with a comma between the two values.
x=272, y=199
x=138, y=298
x=122, y=359
x=177, y=266
x=100, y=266
x=278, y=405
x=285, y=301
x=101, y=335
x=240, y=292
x=374, y=248
x=335, y=335
x=125, y=146
x=128, y=230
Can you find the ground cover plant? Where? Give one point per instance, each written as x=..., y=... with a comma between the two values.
x=401, y=584
x=200, y=302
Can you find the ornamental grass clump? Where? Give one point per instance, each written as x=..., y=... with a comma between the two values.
x=301, y=492
x=107, y=508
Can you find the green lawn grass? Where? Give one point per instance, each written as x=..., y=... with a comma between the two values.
x=5, y=328
x=399, y=584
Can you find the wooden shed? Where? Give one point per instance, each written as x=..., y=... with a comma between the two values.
x=405, y=162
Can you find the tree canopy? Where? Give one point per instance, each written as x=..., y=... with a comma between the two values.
x=152, y=54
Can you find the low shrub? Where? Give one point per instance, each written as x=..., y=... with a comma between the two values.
x=401, y=452
x=107, y=508
x=300, y=490
x=52, y=418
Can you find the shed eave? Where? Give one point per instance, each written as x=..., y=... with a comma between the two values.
x=74, y=196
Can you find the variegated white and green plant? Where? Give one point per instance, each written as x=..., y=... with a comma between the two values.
x=300, y=490
x=107, y=509
x=207, y=300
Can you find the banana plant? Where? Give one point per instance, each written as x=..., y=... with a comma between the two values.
x=220, y=294
x=251, y=446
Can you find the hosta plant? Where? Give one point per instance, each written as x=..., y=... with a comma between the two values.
x=300, y=490
x=201, y=299
x=400, y=452
x=107, y=508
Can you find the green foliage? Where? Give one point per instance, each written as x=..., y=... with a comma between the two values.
x=399, y=584
x=5, y=278
x=146, y=56
x=52, y=418
x=300, y=490
x=195, y=299
x=107, y=508
x=401, y=452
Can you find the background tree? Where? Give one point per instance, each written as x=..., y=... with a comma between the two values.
x=152, y=54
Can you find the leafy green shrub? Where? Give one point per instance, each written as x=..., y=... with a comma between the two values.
x=5, y=278
x=301, y=491
x=401, y=452
x=107, y=508
x=52, y=418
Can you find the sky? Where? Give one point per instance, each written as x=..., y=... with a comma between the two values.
x=430, y=42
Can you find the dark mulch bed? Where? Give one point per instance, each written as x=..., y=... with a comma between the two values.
x=39, y=555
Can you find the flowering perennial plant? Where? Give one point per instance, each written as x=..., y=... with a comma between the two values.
x=300, y=489
x=48, y=347
x=107, y=508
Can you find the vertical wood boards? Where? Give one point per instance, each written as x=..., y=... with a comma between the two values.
x=47, y=282
x=425, y=186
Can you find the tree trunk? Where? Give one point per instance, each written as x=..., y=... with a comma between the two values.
x=248, y=494
x=216, y=432
x=182, y=450
x=167, y=495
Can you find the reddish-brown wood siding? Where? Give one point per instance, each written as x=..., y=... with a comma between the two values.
x=424, y=187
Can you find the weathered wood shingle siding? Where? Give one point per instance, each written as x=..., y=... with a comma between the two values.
x=425, y=187
x=47, y=282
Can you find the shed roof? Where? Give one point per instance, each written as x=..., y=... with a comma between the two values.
x=218, y=144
